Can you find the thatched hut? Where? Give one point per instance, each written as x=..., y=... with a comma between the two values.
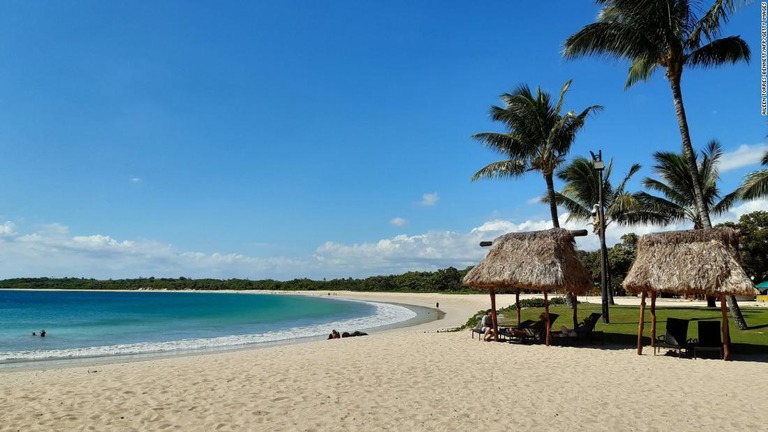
x=687, y=262
x=539, y=260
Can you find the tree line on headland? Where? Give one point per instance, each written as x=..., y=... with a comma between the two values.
x=443, y=280
x=753, y=254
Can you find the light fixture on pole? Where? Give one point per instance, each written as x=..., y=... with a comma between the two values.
x=599, y=166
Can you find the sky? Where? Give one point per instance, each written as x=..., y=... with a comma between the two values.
x=317, y=139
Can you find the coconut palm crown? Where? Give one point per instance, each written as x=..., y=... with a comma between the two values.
x=756, y=183
x=667, y=34
x=538, y=136
x=677, y=186
x=581, y=192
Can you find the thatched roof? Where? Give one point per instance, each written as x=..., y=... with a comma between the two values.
x=539, y=260
x=689, y=262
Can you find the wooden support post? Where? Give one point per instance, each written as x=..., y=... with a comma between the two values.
x=517, y=305
x=641, y=324
x=653, y=320
x=575, y=312
x=493, y=316
x=726, y=335
x=546, y=311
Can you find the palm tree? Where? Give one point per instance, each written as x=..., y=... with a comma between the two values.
x=538, y=137
x=676, y=186
x=581, y=193
x=667, y=34
x=756, y=183
x=678, y=203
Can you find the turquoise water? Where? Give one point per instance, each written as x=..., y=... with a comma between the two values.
x=83, y=324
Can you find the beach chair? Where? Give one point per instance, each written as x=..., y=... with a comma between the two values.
x=675, y=338
x=709, y=338
x=509, y=332
x=477, y=330
x=536, y=332
x=586, y=330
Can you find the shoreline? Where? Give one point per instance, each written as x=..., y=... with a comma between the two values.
x=416, y=315
x=416, y=378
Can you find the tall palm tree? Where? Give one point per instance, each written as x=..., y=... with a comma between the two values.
x=538, y=136
x=667, y=34
x=581, y=192
x=678, y=203
x=756, y=183
x=676, y=186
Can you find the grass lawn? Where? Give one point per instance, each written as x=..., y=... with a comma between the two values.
x=622, y=330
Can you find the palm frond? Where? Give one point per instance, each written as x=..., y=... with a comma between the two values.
x=501, y=169
x=755, y=184
x=726, y=203
x=613, y=39
x=641, y=70
x=708, y=27
x=732, y=49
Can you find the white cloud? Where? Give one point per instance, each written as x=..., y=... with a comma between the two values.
x=7, y=228
x=53, y=252
x=135, y=180
x=429, y=199
x=398, y=221
x=743, y=156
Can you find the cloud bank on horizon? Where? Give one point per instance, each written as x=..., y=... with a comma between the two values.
x=53, y=251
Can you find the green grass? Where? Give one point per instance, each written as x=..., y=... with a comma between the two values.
x=622, y=330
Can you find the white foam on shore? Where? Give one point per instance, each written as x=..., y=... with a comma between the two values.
x=385, y=314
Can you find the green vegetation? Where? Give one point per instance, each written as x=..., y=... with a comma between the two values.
x=753, y=244
x=443, y=280
x=622, y=330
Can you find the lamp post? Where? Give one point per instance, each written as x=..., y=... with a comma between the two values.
x=599, y=166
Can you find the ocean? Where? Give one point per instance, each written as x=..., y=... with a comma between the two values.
x=94, y=324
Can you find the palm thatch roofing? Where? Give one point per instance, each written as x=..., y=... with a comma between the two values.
x=689, y=262
x=538, y=260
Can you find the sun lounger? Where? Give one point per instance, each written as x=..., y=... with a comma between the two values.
x=584, y=332
x=536, y=332
x=675, y=338
x=509, y=332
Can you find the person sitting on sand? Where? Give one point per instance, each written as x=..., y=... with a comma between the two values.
x=334, y=335
x=487, y=326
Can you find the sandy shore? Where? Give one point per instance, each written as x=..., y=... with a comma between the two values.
x=414, y=379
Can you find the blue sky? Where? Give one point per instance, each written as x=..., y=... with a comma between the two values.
x=309, y=138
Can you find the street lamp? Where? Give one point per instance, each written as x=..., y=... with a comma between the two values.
x=599, y=166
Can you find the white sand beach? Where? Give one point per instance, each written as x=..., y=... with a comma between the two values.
x=410, y=379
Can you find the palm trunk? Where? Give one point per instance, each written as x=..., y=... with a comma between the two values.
x=693, y=169
x=738, y=318
x=552, y=202
x=690, y=155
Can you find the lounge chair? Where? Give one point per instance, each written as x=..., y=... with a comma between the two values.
x=536, y=332
x=709, y=338
x=509, y=332
x=586, y=330
x=675, y=337
x=583, y=332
